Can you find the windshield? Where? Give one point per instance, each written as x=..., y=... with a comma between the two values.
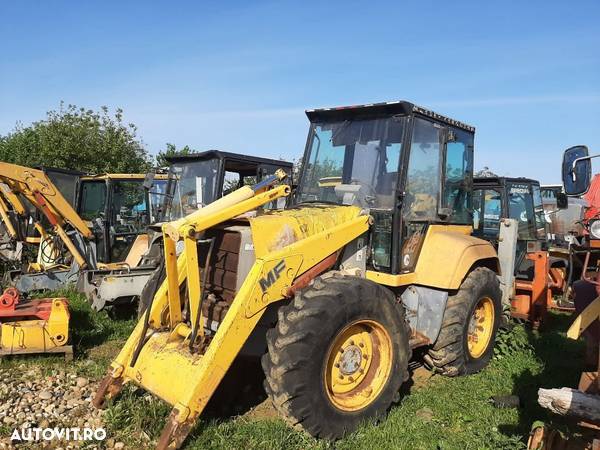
x=129, y=211
x=487, y=212
x=520, y=207
x=193, y=186
x=353, y=162
x=93, y=199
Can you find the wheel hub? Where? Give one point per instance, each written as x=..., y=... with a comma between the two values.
x=358, y=365
x=479, y=331
x=350, y=360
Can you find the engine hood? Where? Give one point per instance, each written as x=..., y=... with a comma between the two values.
x=275, y=230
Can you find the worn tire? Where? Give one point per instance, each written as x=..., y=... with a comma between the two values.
x=450, y=353
x=302, y=346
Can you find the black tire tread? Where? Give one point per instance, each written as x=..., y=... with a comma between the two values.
x=448, y=354
x=290, y=343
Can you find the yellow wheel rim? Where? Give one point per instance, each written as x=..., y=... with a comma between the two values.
x=359, y=363
x=481, y=326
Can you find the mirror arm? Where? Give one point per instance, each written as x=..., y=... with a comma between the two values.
x=583, y=158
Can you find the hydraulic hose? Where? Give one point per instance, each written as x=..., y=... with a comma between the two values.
x=202, y=293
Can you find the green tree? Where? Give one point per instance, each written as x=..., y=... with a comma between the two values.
x=171, y=150
x=78, y=139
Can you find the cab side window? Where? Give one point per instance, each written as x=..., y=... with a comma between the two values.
x=458, y=180
x=423, y=174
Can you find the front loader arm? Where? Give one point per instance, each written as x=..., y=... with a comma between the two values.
x=160, y=351
x=165, y=357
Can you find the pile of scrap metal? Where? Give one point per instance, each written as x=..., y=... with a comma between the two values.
x=583, y=403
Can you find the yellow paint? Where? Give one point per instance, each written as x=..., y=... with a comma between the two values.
x=165, y=357
x=193, y=279
x=588, y=316
x=13, y=199
x=238, y=202
x=277, y=229
x=27, y=181
x=138, y=248
x=481, y=327
x=6, y=219
x=36, y=335
x=287, y=244
x=447, y=255
x=172, y=281
x=330, y=181
x=359, y=365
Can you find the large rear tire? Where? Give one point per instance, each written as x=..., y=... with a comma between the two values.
x=337, y=356
x=466, y=341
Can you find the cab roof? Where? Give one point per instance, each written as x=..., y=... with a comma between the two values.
x=401, y=107
x=503, y=180
x=232, y=158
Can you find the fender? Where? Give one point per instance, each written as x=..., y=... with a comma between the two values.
x=452, y=251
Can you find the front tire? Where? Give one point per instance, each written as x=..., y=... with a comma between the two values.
x=337, y=356
x=466, y=341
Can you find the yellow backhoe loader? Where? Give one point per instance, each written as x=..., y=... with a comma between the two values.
x=333, y=293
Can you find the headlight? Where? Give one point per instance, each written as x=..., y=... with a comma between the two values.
x=595, y=229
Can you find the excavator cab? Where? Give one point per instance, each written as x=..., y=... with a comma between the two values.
x=198, y=179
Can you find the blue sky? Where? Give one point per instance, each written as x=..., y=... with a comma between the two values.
x=238, y=75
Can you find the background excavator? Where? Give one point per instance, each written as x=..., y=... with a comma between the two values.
x=103, y=223
x=32, y=204
x=373, y=258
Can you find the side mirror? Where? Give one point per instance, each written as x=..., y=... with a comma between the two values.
x=149, y=181
x=576, y=170
x=562, y=201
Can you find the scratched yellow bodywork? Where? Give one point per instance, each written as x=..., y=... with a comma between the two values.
x=37, y=335
x=276, y=230
x=447, y=254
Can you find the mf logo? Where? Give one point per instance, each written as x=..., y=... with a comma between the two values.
x=272, y=276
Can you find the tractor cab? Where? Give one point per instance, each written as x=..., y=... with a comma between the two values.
x=495, y=198
x=515, y=198
x=196, y=180
x=118, y=208
x=408, y=166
